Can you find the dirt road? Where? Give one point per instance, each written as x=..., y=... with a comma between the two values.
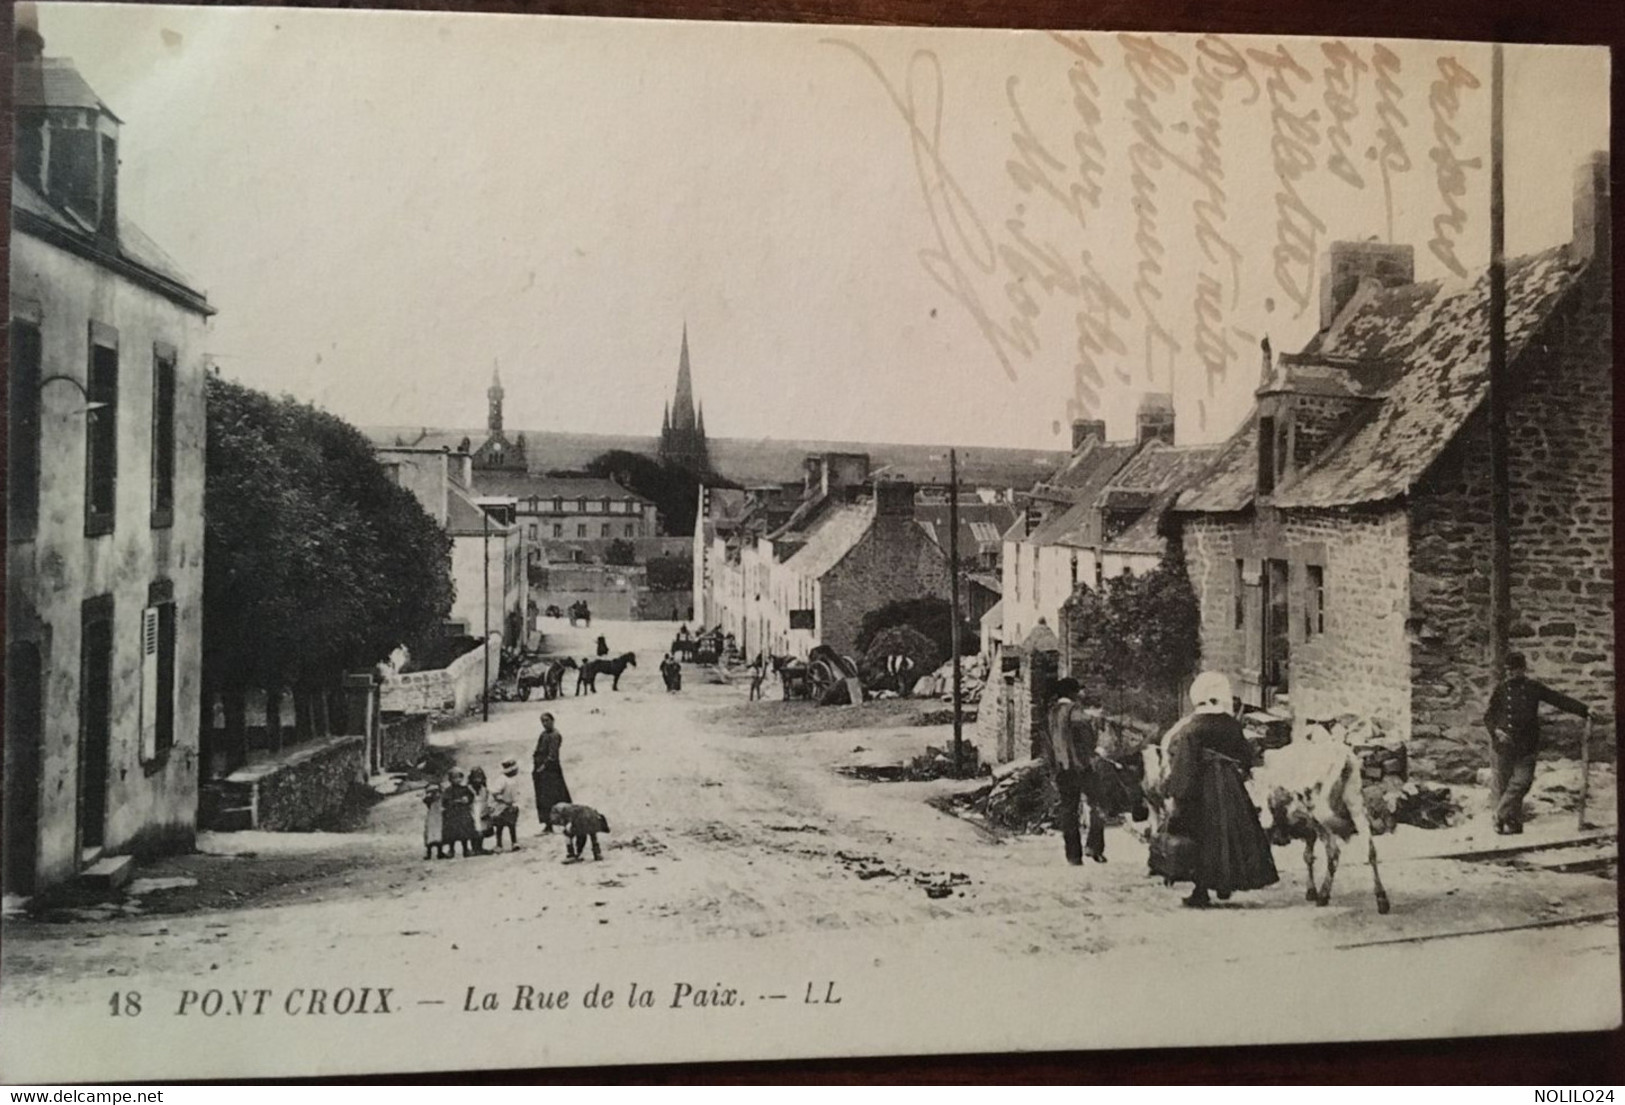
x=747, y=853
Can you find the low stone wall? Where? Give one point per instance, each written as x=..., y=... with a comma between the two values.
x=403, y=740
x=295, y=792
x=453, y=689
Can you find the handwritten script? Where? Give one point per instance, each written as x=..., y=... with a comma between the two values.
x=1119, y=222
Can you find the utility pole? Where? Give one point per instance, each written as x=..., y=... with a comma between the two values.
x=953, y=604
x=1500, y=483
x=485, y=690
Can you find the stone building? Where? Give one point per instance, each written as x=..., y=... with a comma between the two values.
x=496, y=453
x=790, y=574
x=105, y=473
x=1341, y=544
x=682, y=427
x=559, y=511
x=488, y=554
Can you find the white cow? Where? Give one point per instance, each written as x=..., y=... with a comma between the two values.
x=1312, y=790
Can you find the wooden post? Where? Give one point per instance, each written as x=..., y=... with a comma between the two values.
x=1500, y=482
x=953, y=606
x=1585, y=770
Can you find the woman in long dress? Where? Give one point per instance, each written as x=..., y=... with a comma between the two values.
x=547, y=773
x=1208, y=758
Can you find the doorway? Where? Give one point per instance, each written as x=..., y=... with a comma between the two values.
x=1277, y=651
x=24, y=715
x=95, y=720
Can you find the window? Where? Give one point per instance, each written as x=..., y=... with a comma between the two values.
x=629, y=529
x=1314, y=601
x=581, y=529
x=158, y=673
x=533, y=531
x=1266, y=456
x=101, y=432
x=1240, y=588
x=23, y=442
x=558, y=529
x=163, y=436
x=1074, y=571
x=603, y=530
x=558, y=506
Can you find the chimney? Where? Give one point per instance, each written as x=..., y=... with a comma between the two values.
x=1346, y=264
x=1593, y=227
x=894, y=499
x=30, y=43
x=1155, y=419
x=1087, y=429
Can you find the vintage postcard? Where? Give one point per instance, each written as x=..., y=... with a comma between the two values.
x=554, y=541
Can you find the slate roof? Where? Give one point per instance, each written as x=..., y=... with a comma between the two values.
x=133, y=244
x=464, y=517
x=55, y=82
x=1438, y=333
x=1429, y=346
x=836, y=534
x=933, y=518
x=1151, y=482
x=524, y=488
x=1079, y=482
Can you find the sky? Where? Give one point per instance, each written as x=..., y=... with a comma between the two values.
x=882, y=234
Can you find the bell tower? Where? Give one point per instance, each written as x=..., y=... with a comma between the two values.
x=494, y=394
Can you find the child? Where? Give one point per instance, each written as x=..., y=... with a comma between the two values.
x=458, y=801
x=481, y=808
x=434, y=839
x=505, y=805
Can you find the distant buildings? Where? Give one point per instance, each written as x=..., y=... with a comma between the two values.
x=682, y=428
x=104, y=560
x=496, y=453
x=786, y=573
x=488, y=559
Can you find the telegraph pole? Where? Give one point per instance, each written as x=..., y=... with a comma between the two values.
x=485, y=695
x=1500, y=482
x=953, y=604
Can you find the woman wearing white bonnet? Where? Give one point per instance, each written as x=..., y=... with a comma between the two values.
x=1208, y=757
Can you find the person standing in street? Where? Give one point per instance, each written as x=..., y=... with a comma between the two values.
x=1070, y=752
x=1208, y=760
x=547, y=773
x=1513, y=720
x=505, y=805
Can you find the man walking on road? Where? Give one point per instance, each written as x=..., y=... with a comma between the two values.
x=1513, y=720
x=1070, y=751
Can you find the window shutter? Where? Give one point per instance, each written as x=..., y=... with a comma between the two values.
x=1252, y=619
x=149, y=683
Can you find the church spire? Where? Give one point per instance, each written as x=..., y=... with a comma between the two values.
x=682, y=408
x=494, y=394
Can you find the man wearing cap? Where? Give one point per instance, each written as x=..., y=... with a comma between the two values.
x=1070, y=751
x=1513, y=720
x=505, y=804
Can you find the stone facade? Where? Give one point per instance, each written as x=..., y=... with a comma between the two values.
x=403, y=739
x=453, y=689
x=1562, y=572
x=1355, y=661
x=84, y=585
x=896, y=559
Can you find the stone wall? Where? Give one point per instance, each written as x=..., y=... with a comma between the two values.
x=896, y=559
x=403, y=739
x=300, y=790
x=1358, y=664
x=453, y=689
x=1562, y=572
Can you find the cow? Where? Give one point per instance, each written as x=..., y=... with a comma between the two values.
x=1312, y=790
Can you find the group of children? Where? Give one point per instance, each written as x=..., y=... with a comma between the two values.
x=467, y=813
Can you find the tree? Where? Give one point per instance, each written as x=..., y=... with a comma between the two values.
x=672, y=488
x=620, y=552
x=315, y=562
x=931, y=616
x=1138, y=640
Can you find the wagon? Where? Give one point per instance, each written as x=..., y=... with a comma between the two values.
x=793, y=676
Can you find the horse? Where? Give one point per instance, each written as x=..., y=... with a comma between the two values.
x=553, y=679
x=587, y=677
